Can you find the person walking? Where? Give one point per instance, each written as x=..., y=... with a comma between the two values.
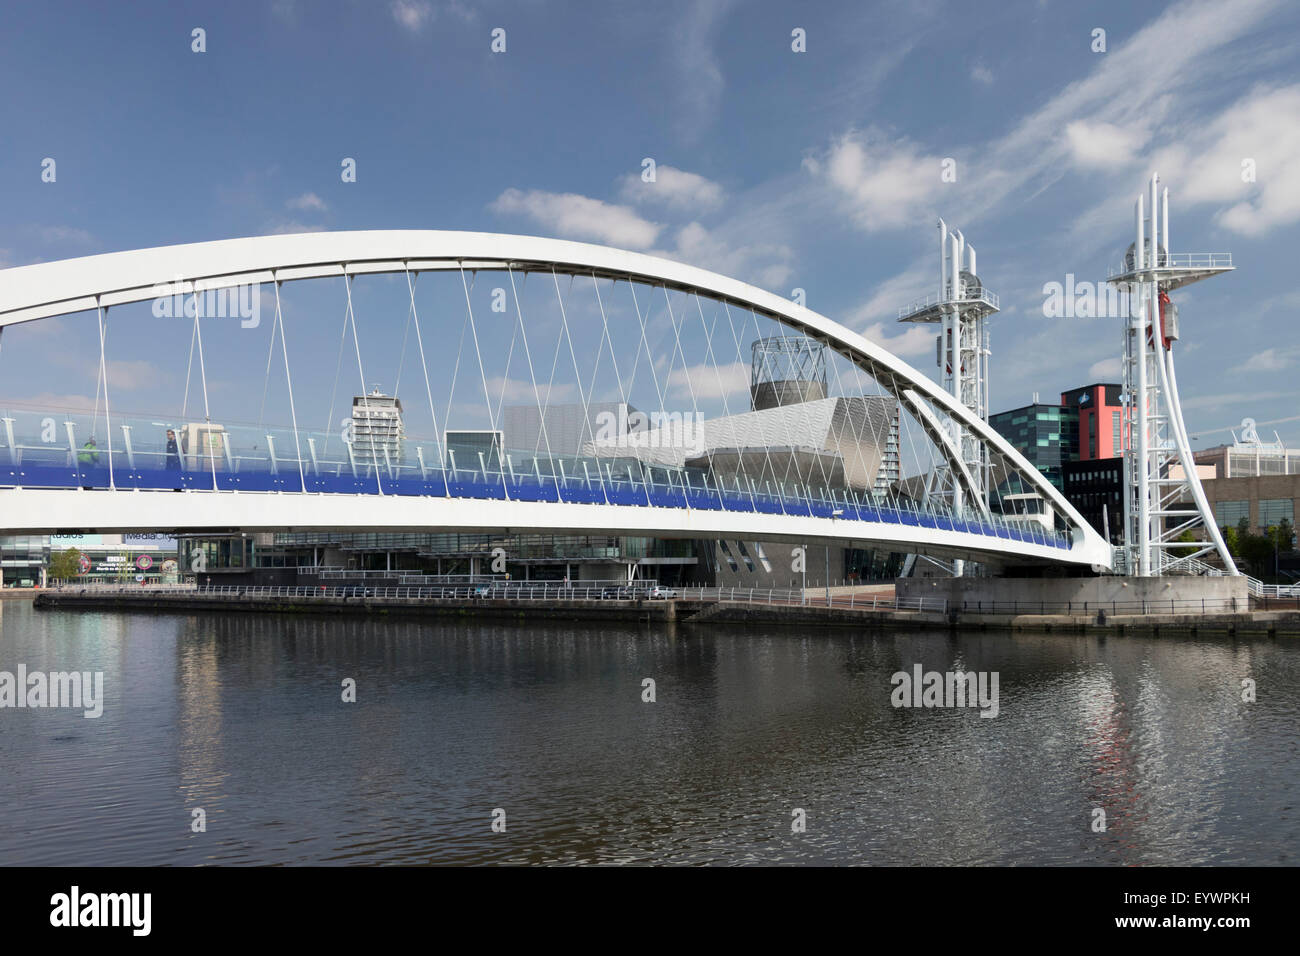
x=87, y=458
x=89, y=454
x=173, y=459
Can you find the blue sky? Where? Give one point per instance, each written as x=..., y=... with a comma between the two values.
x=818, y=170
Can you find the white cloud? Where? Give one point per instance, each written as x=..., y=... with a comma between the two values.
x=65, y=234
x=132, y=374
x=1264, y=127
x=307, y=202
x=887, y=182
x=698, y=80
x=1269, y=360
x=412, y=14
x=517, y=391
x=765, y=264
x=63, y=401
x=1096, y=145
x=461, y=8
x=675, y=188
x=1233, y=398
x=1138, y=85
x=580, y=217
x=291, y=227
x=894, y=293
x=916, y=340
x=981, y=74
x=1108, y=368
x=707, y=381
x=286, y=10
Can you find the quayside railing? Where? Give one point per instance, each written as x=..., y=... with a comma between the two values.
x=767, y=596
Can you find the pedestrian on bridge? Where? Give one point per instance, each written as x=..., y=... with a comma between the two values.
x=87, y=457
x=89, y=454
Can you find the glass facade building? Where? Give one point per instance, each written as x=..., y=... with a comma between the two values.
x=1047, y=435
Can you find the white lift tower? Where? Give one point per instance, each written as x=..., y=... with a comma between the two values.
x=1163, y=497
x=960, y=308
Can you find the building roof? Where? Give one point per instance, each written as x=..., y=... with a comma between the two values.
x=857, y=428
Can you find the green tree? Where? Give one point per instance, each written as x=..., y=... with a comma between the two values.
x=1257, y=551
x=65, y=565
x=1230, y=541
x=1285, y=536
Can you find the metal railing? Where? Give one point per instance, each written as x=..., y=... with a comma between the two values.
x=1196, y=567
x=1091, y=608
x=1178, y=260
x=934, y=299
x=813, y=598
x=58, y=585
x=546, y=592
x=408, y=577
x=245, y=460
x=1274, y=590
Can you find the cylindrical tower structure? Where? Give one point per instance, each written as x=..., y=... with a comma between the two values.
x=786, y=370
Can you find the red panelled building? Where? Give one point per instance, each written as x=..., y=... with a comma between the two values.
x=1094, y=483
x=1100, y=420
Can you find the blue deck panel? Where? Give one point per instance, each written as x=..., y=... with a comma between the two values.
x=51, y=474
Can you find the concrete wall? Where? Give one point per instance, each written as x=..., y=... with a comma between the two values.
x=1252, y=490
x=779, y=558
x=1097, y=591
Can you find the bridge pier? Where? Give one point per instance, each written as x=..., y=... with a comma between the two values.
x=1112, y=594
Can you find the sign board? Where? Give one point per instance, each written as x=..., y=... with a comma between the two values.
x=1249, y=442
x=164, y=541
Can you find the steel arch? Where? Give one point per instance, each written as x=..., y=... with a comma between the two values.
x=29, y=293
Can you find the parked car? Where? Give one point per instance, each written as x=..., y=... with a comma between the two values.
x=658, y=593
x=617, y=594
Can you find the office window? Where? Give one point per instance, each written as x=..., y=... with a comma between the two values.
x=1115, y=432
x=1228, y=513
x=1273, y=511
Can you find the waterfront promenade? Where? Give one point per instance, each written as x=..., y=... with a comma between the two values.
x=719, y=607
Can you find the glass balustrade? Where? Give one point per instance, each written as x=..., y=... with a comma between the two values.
x=61, y=449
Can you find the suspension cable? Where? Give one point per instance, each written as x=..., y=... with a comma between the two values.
x=203, y=375
x=428, y=387
x=586, y=407
x=288, y=377
x=541, y=414
x=365, y=396
x=102, y=314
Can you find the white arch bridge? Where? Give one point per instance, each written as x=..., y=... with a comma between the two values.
x=558, y=386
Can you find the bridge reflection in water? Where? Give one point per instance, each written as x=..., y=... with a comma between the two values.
x=454, y=719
